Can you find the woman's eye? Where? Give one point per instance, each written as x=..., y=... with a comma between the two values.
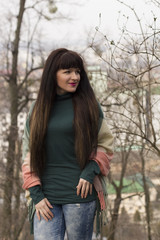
x=67, y=71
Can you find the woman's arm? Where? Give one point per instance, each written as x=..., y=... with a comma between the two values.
x=86, y=179
x=104, y=153
x=31, y=182
x=29, y=179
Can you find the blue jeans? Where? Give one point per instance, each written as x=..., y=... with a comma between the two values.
x=76, y=219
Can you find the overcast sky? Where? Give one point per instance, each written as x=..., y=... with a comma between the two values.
x=86, y=18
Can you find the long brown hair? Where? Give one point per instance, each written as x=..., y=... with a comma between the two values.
x=86, y=112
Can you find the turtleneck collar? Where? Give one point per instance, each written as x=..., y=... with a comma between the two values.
x=64, y=96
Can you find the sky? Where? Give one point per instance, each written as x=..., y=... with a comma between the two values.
x=79, y=31
x=85, y=17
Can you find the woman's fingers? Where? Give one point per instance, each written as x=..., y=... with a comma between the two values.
x=84, y=187
x=86, y=190
x=42, y=214
x=38, y=215
x=42, y=209
x=79, y=187
x=48, y=203
x=46, y=215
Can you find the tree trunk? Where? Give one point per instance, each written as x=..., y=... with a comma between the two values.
x=22, y=220
x=114, y=218
x=9, y=174
x=13, y=132
x=147, y=199
x=17, y=191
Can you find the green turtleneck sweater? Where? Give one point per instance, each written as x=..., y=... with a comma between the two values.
x=62, y=172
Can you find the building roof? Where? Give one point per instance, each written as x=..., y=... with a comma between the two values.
x=131, y=184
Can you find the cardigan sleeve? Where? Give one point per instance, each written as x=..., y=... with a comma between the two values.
x=105, y=138
x=104, y=153
x=31, y=182
x=29, y=179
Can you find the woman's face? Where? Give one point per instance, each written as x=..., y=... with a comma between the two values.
x=67, y=80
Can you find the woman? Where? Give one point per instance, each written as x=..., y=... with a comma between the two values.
x=66, y=147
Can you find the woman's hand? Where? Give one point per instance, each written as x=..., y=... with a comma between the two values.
x=84, y=187
x=42, y=209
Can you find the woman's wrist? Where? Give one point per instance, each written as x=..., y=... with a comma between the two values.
x=90, y=171
x=36, y=194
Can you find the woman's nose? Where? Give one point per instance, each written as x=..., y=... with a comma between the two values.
x=75, y=75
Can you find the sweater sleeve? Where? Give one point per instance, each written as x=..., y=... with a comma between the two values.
x=90, y=171
x=36, y=193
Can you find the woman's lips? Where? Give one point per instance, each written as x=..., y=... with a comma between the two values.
x=73, y=84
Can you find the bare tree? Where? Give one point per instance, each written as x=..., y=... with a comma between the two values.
x=19, y=79
x=118, y=189
x=133, y=64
